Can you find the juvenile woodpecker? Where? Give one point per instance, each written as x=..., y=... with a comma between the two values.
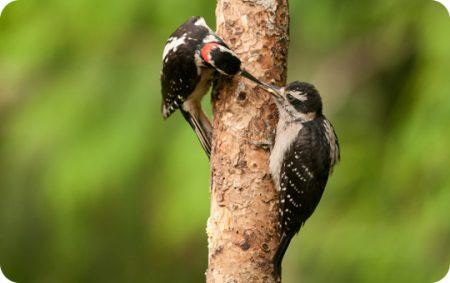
x=192, y=56
x=305, y=151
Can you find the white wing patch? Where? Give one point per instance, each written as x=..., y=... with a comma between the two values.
x=209, y=38
x=173, y=43
x=202, y=22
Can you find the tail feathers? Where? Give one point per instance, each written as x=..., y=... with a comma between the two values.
x=166, y=110
x=278, y=257
x=202, y=129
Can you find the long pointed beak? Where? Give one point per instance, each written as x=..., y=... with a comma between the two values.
x=273, y=90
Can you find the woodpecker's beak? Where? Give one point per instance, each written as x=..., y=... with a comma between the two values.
x=273, y=90
x=276, y=92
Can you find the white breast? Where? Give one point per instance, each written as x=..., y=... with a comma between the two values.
x=286, y=135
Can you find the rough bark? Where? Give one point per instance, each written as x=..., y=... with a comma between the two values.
x=242, y=228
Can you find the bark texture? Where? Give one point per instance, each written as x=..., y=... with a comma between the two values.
x=242, y=228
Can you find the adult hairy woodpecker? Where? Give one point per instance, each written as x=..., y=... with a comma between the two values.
x=193, y=55
x=305, y=151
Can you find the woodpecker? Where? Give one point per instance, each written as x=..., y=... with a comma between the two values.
x=305, y=151
x=193, y=56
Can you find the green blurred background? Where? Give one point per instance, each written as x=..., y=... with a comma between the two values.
x=95, y=187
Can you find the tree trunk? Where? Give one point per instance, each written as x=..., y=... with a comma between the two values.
x=242, y=228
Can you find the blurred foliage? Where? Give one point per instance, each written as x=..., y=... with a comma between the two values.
x=95, y=187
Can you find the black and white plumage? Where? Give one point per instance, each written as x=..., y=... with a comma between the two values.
x=305, y=151
x=192, y=56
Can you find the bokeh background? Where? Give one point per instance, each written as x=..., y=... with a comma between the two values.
x=95, y=187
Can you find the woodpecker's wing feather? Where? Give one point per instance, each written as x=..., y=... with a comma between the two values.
x=180, y=73
x=303, y=176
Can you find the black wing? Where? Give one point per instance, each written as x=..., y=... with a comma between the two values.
x=303, y=177
x=180, y=75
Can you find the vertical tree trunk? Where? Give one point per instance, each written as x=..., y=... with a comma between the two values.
x=242, y=228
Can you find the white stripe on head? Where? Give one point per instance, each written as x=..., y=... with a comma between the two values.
x=298, y=95
x=224, y=49
x=201, y=22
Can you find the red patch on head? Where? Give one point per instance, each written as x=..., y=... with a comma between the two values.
x=206, y=49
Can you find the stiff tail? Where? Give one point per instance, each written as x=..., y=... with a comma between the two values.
x=278, y=257
x=202, y=128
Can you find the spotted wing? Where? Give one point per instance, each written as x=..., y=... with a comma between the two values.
x=303, y=176
x=180, y=74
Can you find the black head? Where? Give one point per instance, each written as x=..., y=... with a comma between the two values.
x=210, y=50
x=298, y=99
x=217, y=55
x=304, y=97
